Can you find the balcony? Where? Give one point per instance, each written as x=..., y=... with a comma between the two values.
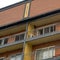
x=43, y=34
x=36, y=36
x=12, y=42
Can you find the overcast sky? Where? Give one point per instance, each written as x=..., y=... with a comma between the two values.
x=4, y=3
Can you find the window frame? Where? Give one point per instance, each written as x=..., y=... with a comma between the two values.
x=47, y=26
x=3, y=41
x=42, y=49
x=16, y=55
x=2, y=58
x=18, y=35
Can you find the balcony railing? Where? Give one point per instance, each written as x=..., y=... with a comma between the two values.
x=14, y=39
x=42, y=32
x=29, y=35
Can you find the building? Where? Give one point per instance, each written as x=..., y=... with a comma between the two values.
x=30, y=30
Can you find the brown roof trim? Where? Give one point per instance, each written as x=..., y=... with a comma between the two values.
x=31, y=19
x=14, y=5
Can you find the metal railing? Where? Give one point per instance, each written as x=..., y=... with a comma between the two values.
x=39, y=34
x=14, y=39
x=31, y=35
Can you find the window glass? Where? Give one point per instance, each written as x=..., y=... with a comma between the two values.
x=1, y=59
x=0, y=42
x=12, y=58
x=5, y=40
x=39, y=55
x=19, y=37
x=19, y=57
x=46, y=30
x=16, y=57
x=41, y=32
x=45, y=53
x=52, y=28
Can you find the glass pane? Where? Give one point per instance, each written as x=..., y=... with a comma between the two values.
x=17, y=38
x=51, y=29
x=0, y=42
x=19, y=57
x=40, y=32
x=5, y=40
x=12, y=58
x=21, y=36
x=1, y=59
x=51, y=52
x=39, y=55
x=45, y=54
x=46, y=30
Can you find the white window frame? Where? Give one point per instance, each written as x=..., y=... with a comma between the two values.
x=2, y=58
x=3, y=39
x=43, y=27
x=14, y=55
x=44, y=48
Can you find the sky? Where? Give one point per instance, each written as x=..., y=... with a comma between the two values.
x=4, y=3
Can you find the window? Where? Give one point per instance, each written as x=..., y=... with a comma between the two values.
x=46, y=30
x=52, y=28
x=16, y=57
x=0, y=42
x=40, y=32
x=45, y=53
x=3, y=41
x=19, y=37
x=49, y=29
x=1, y=58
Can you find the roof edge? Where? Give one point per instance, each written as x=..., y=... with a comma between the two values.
x=14, y=5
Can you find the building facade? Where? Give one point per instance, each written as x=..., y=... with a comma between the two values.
x=30, y=30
